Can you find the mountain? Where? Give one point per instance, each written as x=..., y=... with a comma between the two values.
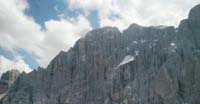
x=7, y=80
x=141, y=65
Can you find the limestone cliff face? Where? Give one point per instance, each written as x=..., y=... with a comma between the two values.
x=141, y=65
x=8, y=79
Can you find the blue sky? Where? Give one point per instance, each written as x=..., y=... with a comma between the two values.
x=44, y=10
x=32, y=32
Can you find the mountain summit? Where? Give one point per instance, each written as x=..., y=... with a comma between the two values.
x=141, y=65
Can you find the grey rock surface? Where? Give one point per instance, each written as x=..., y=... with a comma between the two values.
x=8, y=79
x=141, y=65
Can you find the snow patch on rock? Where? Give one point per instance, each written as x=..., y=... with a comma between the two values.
x=126, y=60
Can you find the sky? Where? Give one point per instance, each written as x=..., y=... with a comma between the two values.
x=33, y=32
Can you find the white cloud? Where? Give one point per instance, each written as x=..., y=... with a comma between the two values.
x=19, y=31
x=61, y=35
x=144, y=12
x=19, y=64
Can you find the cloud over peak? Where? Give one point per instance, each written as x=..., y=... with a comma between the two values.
x=19, y=64
x=122, y=13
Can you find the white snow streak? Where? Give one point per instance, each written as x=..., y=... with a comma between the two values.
x=126, y=60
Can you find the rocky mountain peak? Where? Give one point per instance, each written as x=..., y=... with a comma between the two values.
x=7, y=79
x=10, y=76
x=194, y=15
x=105, y=32
x=134, y=26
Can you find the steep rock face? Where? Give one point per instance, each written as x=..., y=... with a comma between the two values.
x=194, y=19
x=8, y=79
x=194, y=24
x=141, y=65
